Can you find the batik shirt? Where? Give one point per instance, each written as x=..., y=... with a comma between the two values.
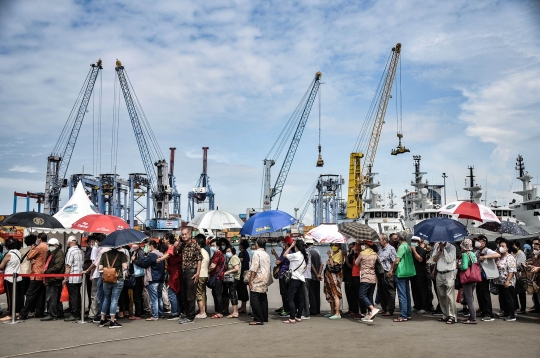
x=387, y=256
x=506, y=265
x=191, y=255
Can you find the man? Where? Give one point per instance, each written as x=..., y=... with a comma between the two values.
x=284, y=243
x=191, y=269
x=521, y=296
x=394, y=240
x=486, y=257
x=316, y=278
x=307, y=279
x=203, y=277
x=386, y=287
x=419, y=283
x=53, y=285
x=35, y=296
x=97, y=283
x=444, y=256
x=258, y=283
x=535, y=267
x=403, y=269
x=74, y=265
x=174, y=267
x=507, y=282
x=350, y=292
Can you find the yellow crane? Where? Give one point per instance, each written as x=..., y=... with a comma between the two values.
x=368, y=149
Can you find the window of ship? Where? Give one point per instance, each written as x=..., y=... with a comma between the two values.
x=432, y=215
x=505, y=213
x=371, y=215
x=377, y=214
x=384, y=214
x=396, y=215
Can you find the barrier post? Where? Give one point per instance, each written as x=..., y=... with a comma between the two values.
x=83, y=303
x=14, y=302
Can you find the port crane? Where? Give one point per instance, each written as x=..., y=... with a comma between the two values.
x=202, y=192
x=295, y=126
x=368, y=140
x=58, y=161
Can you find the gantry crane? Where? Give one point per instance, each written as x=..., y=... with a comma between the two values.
x=375, y=120
x=58, y=161
x=202, y=192
x=298, y=119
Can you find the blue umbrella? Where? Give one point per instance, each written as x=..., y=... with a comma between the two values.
x=267, y=221
x=123, y=237
x=439, y=229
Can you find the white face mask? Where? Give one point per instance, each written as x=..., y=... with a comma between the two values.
x=502, y=250
x=536, y=252
x=477, y=244
x=362, y=247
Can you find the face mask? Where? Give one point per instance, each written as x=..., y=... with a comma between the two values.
x=335, y=248
x=279, y=244
x=502, y=250
x=145, y=249
x=477, y=244
x=498, y=245
x=52, y=248
x=414, y=244
x=213, y=249
x=223, y=247
x=362, y=247
x=228, y=254
x=536, y=252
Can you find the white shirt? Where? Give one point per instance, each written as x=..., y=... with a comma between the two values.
x=447, y=261
x=13, y=265
x=204, y=264
x=75, y=260
x=99, y=252
x=297, y=265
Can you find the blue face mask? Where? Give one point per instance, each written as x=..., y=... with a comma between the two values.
x=414, y=244
x=228, y=254
x=213, y=249
x=279, y=244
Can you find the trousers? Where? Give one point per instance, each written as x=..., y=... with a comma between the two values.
x=386, y=288
x=74, y=290
x=419, y=290
x=188, y=291
x=35, y=298
x=259, y=306
x=295, y=298
x=468, y=293
x=506, y=300
x=314, y=297
x=447, y=294
x=52, y=299
x=306, y=298
x=484, y=298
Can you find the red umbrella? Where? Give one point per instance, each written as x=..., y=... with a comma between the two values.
x=468, y=210
x=100, y=223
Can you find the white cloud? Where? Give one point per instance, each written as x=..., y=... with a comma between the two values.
x=23, y=169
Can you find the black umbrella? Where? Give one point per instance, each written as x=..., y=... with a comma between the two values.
x=123, y=237
x=504, y=227
x=358, y=231
x=32, y=219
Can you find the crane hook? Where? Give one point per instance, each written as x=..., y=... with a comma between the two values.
x=320, y=161
x=400, y=149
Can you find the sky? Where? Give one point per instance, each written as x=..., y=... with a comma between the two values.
x=228, y=75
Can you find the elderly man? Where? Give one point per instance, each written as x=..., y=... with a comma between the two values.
x=535, y=263
x=403, y=269
x=444, y=256
x=419, y=283
x=486, y=257
x=191, y=269
x=53, y=285
x=258, y=283
x=74, y=265
x=386, y=287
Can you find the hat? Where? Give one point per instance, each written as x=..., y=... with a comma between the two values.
x=288, y=240
x=53, y=241
x=72, y=239
x=466, y=244
x=482, y=237
x=308, y=240
x=416, y=238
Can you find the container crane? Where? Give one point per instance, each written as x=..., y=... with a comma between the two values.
x=58, y=161
x=365, y=147
x=157, y=170
x=202, y=190
x=298, y=119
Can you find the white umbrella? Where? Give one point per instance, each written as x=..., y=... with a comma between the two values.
x=216, y=220
x=468, y=210
x=327, y=233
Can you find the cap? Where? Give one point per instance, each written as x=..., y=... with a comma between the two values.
x=288, y=240
x=416, y=238
x=53, y=241
x=72, y=239
x=308, y=240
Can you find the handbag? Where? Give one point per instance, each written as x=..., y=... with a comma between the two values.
x=287, y=275
x=64, y=297
x=472, y=274
x=406, y=267
x=211, y=283
x=110, y=275
x=379, y=269
x=228, y=278
x=275, y=271
x=493, y=288
x=247, y=275
x=130, y=281
x=336, y=268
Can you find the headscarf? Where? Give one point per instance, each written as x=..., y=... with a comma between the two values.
x=466, y=245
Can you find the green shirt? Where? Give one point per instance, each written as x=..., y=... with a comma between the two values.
x=233, y=262
x=466, y=260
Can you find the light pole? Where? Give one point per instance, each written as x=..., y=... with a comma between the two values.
x=444, y=176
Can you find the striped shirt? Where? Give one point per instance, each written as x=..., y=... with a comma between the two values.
x=75, y=260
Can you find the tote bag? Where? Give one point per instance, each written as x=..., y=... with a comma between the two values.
x=472, y=274
x=406, y=265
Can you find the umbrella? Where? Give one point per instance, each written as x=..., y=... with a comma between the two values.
x=217, y=220
x=123, y=237
x=439, y=229
x=105, y=224
x=327, y=233
x=267, y=221
x=468, y=210
x=32, y=219
x=359, y=231
x=504, y=227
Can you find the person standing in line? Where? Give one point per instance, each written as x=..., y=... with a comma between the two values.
x=295, y=294
x=174, y=267
x=203, y=277
x=97, y=282
x=535, y=267
x=138, y=272
x=307, y=277
x=366, y=261
x=11, y=263
x=332, y=281
x=35, y=296
x=155, y=271
x=316, y=278
x=419, y=283
x=217, y=270
x=348, y=280
x=53, y=285
x=284, y=243
x=444, y=256
x=386, y=286
x=507, y=282
x=258, y=283
x=191, y=269
x=394, y=241
x=26, y=266
x=90, y=241
x=243, y=294
x=403, y=269
x=467, y=260
x=232, y=268
x=73, y=265
x=486, y=257
x=111, y=291
x=521, y=295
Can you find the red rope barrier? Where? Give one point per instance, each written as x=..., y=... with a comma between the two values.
x=42, y=275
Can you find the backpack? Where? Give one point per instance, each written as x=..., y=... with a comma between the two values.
x=110, y=275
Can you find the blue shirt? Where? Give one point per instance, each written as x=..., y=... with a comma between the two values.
x=284, y=264
x=387, y=256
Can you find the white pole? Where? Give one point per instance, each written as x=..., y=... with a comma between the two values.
x=13, y=301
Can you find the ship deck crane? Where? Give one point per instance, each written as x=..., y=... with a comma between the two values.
x=368, y=140
x=297, y=120
x=58, y=161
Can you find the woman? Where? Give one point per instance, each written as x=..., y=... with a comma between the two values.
x=295, y=292
x=123, y=301
x=242, y=291
x=468, y=258
x=111, y=291
x=138, y=272
x=216, y=269
x=11, y=264
x=155, y=271
x=332, y=281
x=233, y=269
x=366, y=262
x=224, y=245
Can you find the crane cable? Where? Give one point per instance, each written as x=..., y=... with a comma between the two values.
x=399, y=112
x=320, y=94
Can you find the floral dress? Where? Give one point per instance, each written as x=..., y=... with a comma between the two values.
x=506, y=265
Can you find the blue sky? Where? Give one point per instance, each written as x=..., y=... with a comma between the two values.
x=228, y=74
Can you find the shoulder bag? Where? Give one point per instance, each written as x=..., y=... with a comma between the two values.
x=287, y=275
x=275, y=271
x=110, y=275
x=211, y=283
x=379, y=269
x=472, y=274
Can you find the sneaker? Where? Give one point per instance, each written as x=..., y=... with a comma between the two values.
x=279, y=310
x=501, y=315
x=304, y=317
x=488, y=319
x=71, y=319
x=283, y=314
x=466, y=314
x=96, y=320
x=510, y=319
x=366, y=319
x=328, y=315
x=115, y=324
x=201, y=316
x=374, y=313
x=174, y=317
x=104, y=322
x=335, y=317
x=186, y=321
x=421, y=312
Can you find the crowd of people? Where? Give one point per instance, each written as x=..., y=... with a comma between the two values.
x=169, y=278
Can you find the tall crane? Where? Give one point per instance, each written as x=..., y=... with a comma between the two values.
x=156, y=167
x=365, y=147
x=202, y=192
x=298, y=120
x=58, y=161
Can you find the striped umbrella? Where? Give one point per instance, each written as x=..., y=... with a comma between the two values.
x=358, y=231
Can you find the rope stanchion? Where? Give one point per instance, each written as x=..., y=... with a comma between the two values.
x=83, y=303
x=13, y=300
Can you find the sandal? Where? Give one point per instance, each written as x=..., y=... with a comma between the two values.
x=289, y=321
x=400, y=319
x=450, y=321
x=216, y=316
x=256, y=323
x=232, y=316
x=469, y=322
x=298, y=319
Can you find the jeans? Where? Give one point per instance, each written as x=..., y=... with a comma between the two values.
x=259, y=306
x=100, y=297
x=52, y=299
x=314, y=297
x=155, y=290
x=174, y=302
x=295, y=298
x=366, y=293
x=404, y=296
x=111, y=294
x=74, y=290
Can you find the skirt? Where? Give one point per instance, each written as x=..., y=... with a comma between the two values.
x=332, y=286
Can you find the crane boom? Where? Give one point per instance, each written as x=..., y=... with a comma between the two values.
x=58, y=161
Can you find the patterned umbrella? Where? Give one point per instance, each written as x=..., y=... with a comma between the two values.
x=468, y=210
x=32, y=219
x=504, y=227
x=358, y=231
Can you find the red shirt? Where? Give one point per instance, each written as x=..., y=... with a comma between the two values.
x=175, y=269
x=219, y=260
